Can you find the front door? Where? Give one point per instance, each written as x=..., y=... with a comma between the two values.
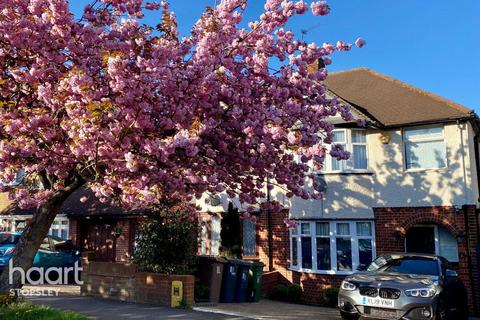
x=421, y=240
x=99, y=238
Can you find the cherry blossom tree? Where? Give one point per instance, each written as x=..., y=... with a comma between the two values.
x=138, y=114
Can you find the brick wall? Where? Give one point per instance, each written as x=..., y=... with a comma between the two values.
x=392, y=225
x=124, y=243
x=123, y=282
x=74, y=231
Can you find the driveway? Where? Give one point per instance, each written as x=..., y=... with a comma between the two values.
x=70, y=299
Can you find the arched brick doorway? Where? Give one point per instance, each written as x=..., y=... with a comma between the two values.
x=432, y=239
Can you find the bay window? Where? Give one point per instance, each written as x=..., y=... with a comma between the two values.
x=425, y=148
x=331, y=247
x=353, y=141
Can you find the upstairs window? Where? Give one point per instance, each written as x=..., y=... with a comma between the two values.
x=353, y=141
x=425, y=148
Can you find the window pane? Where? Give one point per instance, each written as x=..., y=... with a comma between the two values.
x=339, y=136
x=364, y=229
x=448, y=247
x=358, y=136
x=344, y=254
x=323, y=254
x=306, y=252
x=360, y=157
x=295, y=230
x=294, y=252
x=215, y=236
x=203, y=240
x=249, y=238
x=429, y=154
x=305, y=228
x=424, y=133
x=323, y=229
x=339, y=164
x=343, y=229
x=365, y=251
x=55, y=232
x=64, y=234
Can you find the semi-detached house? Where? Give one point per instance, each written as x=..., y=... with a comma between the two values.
x=410, y=185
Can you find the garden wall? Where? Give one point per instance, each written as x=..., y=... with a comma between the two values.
x=123, y=282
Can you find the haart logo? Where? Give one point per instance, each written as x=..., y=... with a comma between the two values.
x=51, y=276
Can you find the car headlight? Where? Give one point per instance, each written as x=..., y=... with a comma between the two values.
x=348, y=286
x=421, y=292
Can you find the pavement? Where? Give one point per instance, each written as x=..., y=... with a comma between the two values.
x=69, y=298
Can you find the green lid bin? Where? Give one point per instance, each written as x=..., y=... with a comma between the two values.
x=255, y=281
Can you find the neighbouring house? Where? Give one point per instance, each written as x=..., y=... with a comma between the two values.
x=107, y=232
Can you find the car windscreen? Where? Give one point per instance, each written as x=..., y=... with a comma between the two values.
x=8, y=238
x=410, y=265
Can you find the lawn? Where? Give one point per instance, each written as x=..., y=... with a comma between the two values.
x=26, y=311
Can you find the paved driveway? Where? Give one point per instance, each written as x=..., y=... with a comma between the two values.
x=101, y=309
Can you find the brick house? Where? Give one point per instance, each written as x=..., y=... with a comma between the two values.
x=107, y=232
x=411, y=185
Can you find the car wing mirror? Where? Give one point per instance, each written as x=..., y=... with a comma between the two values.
x=451, y=273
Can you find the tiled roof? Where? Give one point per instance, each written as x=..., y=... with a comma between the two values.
x=392, y=102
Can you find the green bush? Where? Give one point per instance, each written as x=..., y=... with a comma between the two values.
x=26, y=311
x=6, y=299
x=279, y=292
x=167, y=243
x=231, y=246
x=295, y=293
x=331, y=297
x=291, y=293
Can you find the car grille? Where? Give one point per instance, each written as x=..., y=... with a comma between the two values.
x=389, y=293
x=385, y=293
x=369, y=291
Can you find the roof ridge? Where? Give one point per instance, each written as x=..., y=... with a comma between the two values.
x=411, y=87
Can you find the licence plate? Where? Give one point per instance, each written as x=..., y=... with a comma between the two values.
x=377, y=302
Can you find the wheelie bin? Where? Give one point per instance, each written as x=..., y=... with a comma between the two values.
x=229, y=281
x=241, y=292
x=255, y=281
x=209, y=274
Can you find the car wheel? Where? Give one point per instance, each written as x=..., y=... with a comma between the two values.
x=349, y=316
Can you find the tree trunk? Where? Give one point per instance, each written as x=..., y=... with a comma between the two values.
x=31, y=239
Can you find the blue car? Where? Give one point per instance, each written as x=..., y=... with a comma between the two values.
x=53, y=252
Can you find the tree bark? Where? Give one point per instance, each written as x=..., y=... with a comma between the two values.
x=32, y=237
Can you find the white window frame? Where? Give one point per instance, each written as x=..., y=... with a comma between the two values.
x=348, y=166
x=333, y=246
x=58, y=225
x=405, y=145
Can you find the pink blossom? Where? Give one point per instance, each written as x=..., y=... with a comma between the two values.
x=320, y=8
x=301, y=7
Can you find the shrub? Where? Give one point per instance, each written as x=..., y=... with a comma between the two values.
x=295, y=293
x=331, y=296
x=26, y=311
x=167, y=242
x=279, y=292
x=6, y=299
x=231, y=246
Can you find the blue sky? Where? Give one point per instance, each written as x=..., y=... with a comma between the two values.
x=432, y=44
